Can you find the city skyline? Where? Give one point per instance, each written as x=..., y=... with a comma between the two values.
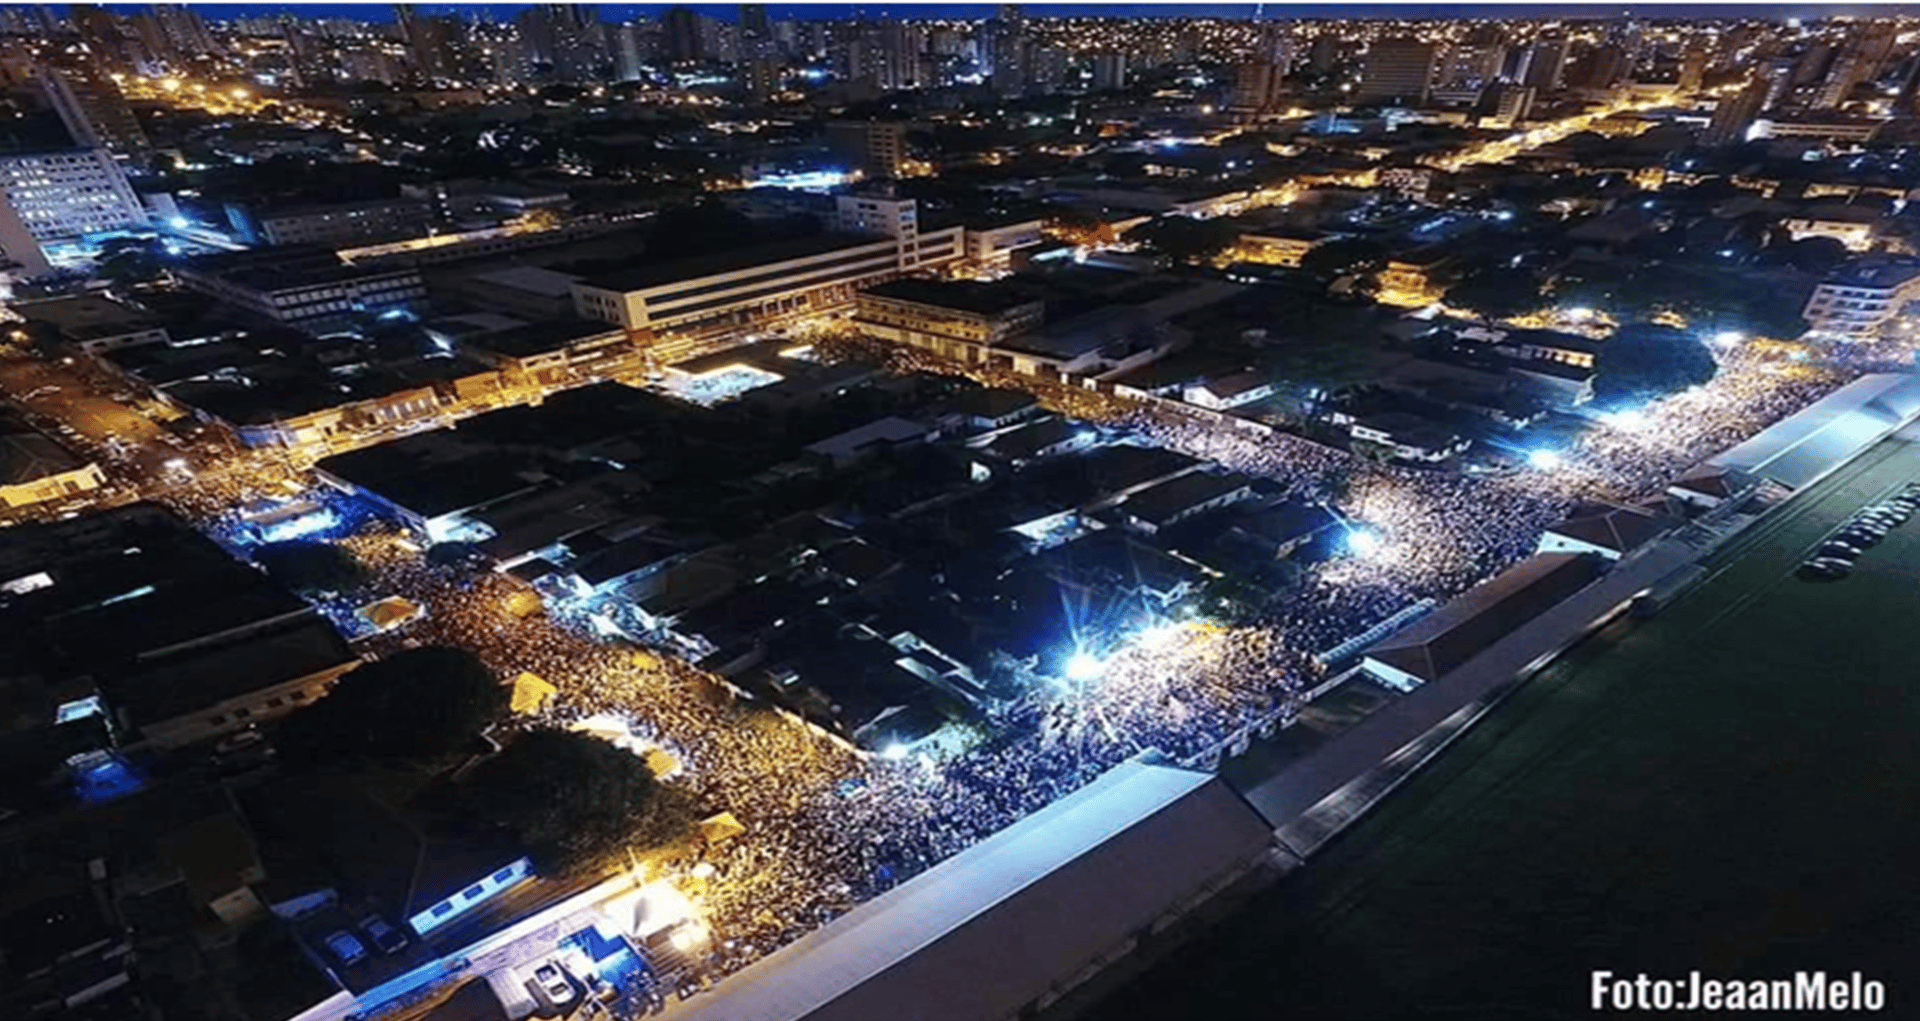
x=376, y=11
x=959, y=512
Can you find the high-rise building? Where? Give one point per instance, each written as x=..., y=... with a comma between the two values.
x=1109, y=71
x=681, y=32
x=186, y=31
x=1546, y=64
x=629, y=52
x=93, y=110
x=1047, y=68
x=105, y=40
x=1469, y=66
x=1512, y=103
x=1734, y=114
x=1323, y=54
x=1693, y=70
x=55, y=197
x=1859, y=61
x=1257, y=85
x=875, y=148
x=759, y=52
x=1398, y=71
x=429, y=43
x=1907, y=102
x=1601, y=69
x=1008, y=34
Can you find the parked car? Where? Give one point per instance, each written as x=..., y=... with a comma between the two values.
x=389, y=939
x=346, y=948
x=1837, y=550
x=1824, y=569
x=554, y=983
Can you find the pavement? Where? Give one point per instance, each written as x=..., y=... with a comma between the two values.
x=1724, y=787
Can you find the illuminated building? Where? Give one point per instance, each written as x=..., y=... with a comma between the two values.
x=876, y=148
x=1734, y=114
x=336, y=223
x=1109, y=71
x=877, y=238
x=59, y=197
x=34, y=469
x=306, y=287
x=1258, y=85
x=1857, y=302
x=1399, y=70
x=95, y=113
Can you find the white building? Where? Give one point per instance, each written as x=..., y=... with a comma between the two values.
x=1230, y=391
x=1860, y=300
x=877, y=239
x=59, y=197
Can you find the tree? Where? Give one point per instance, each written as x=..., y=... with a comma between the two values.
x=1341, y=257
x=1497, y=293
x=416, y=704
x=130, y=260
x=1185, y=239
x=571, y=799
x=310, y=567
x=1643, y=361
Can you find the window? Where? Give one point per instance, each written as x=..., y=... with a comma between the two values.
x=473, y=892
x=504, y=875
x=442, y=909
x=276, y=702
x=219, y=720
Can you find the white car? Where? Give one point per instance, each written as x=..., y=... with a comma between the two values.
x=554, y=983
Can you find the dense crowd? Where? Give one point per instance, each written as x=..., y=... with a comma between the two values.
x=828, y=828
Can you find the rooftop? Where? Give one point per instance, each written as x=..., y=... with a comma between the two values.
x=1442, y=641
x=961, y=295
x=1175, y=496
x=1139, y=837
x=541, y=337
x=644, y=275
x=88, y=316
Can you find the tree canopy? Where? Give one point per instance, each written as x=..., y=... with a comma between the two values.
x=571, y=799
x=130, y=260
x=1643, y=361
x=1708, y=299
x=1497, y=292
x=1185, y=239
x=1343, y=257
x=310, y=567
x=420, y=703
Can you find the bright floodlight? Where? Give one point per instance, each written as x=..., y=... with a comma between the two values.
x=1728, y=338
x=1579, y=315
x=1544, y=458
x=1629, y=419
x=1362, y=542
x=1082, y=667
x=1159, y=636
x=895, y=751
x=178, y=222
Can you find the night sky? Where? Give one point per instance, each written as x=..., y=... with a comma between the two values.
x=618, y=12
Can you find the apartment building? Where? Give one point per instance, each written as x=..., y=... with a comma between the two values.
x=1860, y=300
x=58, y=197
x=876, y=239
x=305, y=287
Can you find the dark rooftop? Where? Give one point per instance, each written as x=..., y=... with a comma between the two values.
x=1439, y=643
x=962, y=295
x=541, y=337
x=644, y=275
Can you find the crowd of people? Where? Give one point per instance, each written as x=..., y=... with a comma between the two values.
x=828, y=828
